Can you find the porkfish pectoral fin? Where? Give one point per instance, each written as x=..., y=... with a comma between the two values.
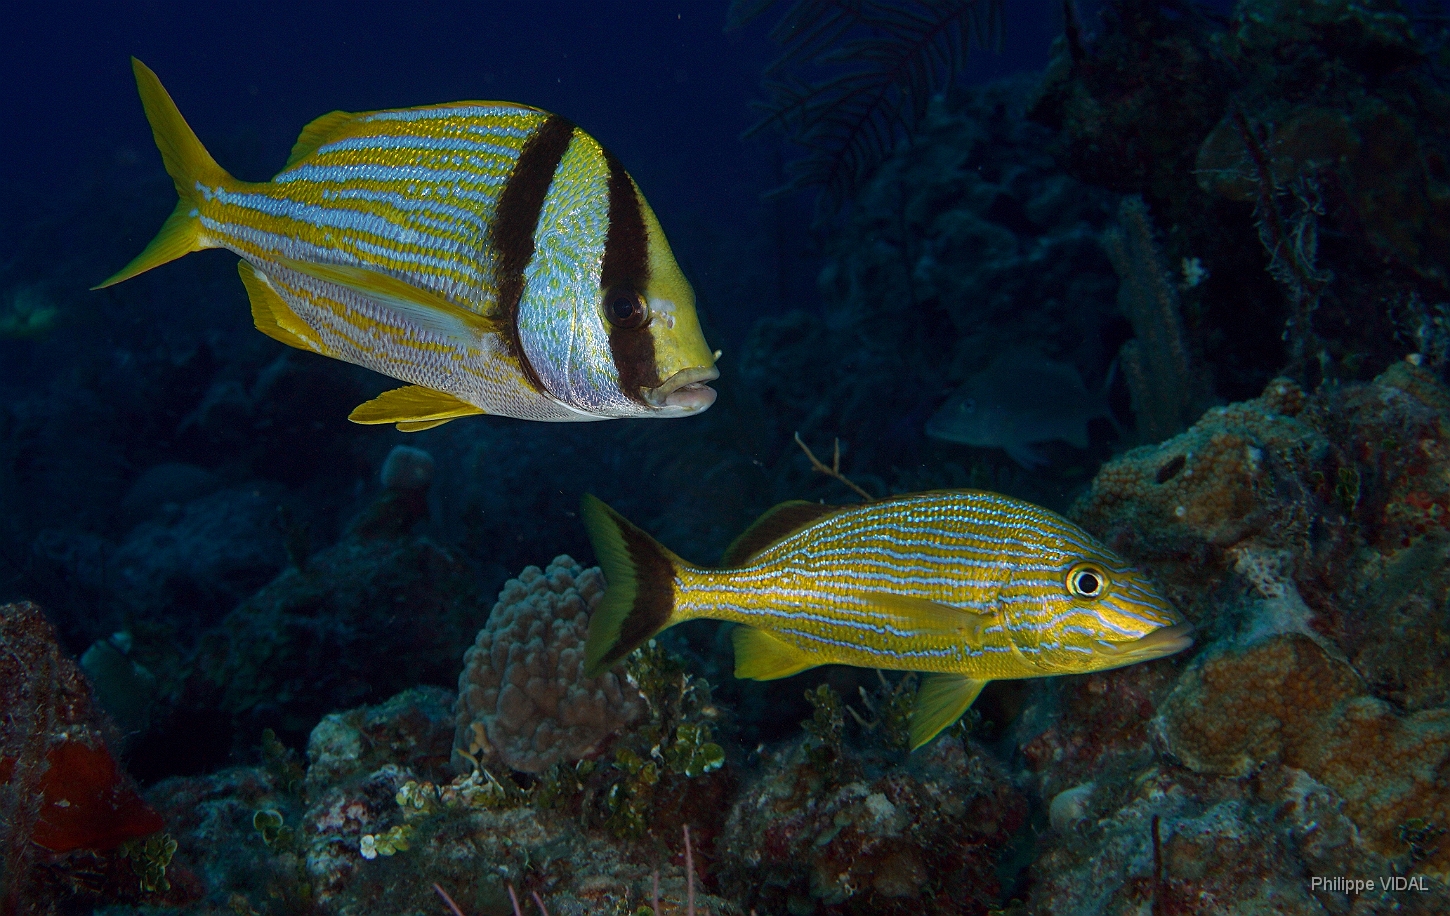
x=317, y=132
x=941, y=701
x=778, y=523
x=414, y=408
x=923, y=617
x=419, y=307
x=762, y=657
x=273, y=316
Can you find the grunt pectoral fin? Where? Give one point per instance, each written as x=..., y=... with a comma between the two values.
x=762, y=657
x=924, y=617
x=941, y=701
x=420, y=307
x=414, y=408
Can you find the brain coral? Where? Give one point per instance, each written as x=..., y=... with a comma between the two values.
x=522, y=697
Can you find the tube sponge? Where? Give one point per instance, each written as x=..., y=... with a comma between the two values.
x=523, y=699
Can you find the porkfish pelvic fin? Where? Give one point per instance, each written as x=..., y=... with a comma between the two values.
x=413, y=408
x=191, y=168
x=639, y=598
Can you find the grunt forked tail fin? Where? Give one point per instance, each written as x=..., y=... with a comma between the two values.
x=189, y=165
x=639, y=599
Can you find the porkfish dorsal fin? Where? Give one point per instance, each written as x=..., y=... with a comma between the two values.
x=924, y=617
x=420, y=307
x=414, y=408
x=941, y=701
x=317, y=132
x=762, y=657
x=778, y=523
x=273, y=316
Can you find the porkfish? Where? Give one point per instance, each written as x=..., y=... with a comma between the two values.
x=492, y=255
x=964, y=586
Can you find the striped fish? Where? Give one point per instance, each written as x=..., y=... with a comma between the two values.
x=965, y=586
x=492, y=255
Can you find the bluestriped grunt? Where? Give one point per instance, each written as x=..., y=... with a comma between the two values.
x=964, y=586
x=491, y=254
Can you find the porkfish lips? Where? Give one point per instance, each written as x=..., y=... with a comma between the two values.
x=684, y=393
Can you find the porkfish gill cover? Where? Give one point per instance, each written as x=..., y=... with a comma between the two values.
x=491, y=254
x=964, y=586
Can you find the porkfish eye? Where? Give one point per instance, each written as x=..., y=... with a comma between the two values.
x=1087, y=580
x=626, y=308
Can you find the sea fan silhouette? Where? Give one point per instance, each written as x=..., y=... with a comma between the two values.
x=877, y=64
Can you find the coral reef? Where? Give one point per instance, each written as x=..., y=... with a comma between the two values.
x=380, y=611
x=899, y=54
x=523, y=681
x=858, y=837
x=924, y=285
x=69, y=815
x=1168, y=387
x=1297, y=152
x=375, y=823
x=1308, y=735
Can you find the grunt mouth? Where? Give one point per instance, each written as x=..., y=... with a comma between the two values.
x=1162, y=641
x=685, y=391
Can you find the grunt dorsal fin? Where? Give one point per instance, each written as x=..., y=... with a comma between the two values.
x=420, y=307
x=414, y=408
x=924, y=617
x=762, y=657
x=778, y=523
x=317, y=132
x=272, y=315
x=941, y=701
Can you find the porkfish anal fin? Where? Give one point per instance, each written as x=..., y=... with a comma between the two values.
x=941, y=701
x=419, y=307
x=414, y=408
x=778, y=523
x=762, y=657
x=273, y=316
x=317, y=132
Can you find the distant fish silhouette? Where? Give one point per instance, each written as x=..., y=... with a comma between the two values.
x=1021, y=399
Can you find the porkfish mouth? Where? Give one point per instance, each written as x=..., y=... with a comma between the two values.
x=1162, y=641
x=685, y=392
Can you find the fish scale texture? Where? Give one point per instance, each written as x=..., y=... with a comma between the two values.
x=523, y=680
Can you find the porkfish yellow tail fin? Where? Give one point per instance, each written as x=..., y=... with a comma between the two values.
x=191, y=168
x=639, y=598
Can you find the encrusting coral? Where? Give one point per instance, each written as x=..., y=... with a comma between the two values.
x=1284, y=701
x=523, y=699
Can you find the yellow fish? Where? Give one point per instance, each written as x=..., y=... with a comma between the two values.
x=966, y=586
x=493, y=255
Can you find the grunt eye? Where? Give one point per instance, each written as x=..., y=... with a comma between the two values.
x=1086, y=580
x=626, y=308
